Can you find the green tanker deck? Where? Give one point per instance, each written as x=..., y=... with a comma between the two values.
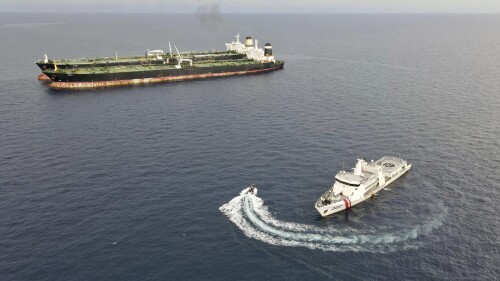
x=157, y=66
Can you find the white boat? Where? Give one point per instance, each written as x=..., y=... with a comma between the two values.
x=351, y=188
x=250, y=190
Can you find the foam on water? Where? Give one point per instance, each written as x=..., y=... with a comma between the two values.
x=249, y=213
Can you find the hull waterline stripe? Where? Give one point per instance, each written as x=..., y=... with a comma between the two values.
x=102, y=84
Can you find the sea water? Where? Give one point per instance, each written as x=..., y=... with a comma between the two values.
x=144, y=182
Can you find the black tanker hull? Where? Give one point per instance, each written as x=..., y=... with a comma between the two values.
x=65, y=80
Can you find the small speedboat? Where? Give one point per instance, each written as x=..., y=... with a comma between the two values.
x=251, y=190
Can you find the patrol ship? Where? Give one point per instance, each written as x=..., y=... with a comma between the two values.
x=366, y=179
x=159, y=66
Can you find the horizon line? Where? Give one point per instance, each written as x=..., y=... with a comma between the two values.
x=250, y=13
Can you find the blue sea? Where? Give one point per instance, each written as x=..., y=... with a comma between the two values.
x=144, y=182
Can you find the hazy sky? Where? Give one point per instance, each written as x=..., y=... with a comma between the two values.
x=270, y=6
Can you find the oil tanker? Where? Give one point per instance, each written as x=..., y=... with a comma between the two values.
x=159, y=66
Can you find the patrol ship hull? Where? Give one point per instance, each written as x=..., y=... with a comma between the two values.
x=351, y=188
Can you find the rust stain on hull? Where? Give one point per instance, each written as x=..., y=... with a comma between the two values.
x=114, y=83
x=43, y=77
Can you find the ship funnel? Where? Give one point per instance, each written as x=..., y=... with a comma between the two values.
x=268, y=50
x=249, y=42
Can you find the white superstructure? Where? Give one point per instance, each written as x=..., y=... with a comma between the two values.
x=250, y=49
x=351, y=188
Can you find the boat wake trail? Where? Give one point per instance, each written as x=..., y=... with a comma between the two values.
x=248, y=213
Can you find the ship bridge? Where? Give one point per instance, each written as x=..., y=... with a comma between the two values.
x=251, y=50
x=349, y=178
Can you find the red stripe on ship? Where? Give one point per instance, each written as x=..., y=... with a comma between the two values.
x=346, y=203
x=103, y=84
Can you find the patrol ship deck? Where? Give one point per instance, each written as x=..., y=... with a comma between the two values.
x=351, y=188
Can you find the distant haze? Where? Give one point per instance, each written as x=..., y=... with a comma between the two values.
x=255, y=6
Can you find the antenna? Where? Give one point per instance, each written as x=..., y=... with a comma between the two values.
x=170, y=48
x=179, y=60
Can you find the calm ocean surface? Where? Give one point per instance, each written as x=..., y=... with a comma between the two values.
x=142, y=183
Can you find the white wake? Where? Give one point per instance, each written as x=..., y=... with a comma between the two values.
x=248, y=213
